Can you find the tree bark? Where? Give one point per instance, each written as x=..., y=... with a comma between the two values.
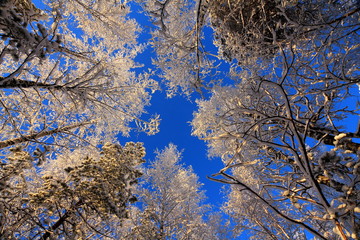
x=327, y=136
x=58, y=223
x=19, y=83
x=35, y=136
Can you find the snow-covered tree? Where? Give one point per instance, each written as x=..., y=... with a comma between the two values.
x=87, y=200
x=172, y=202
x=248, y=32
x=15, y=18
x=69, y=80
x=282, y=116
x=273, y=143
x=67, y=85
x=279, y=127
x=245, y=30
x=177, y=39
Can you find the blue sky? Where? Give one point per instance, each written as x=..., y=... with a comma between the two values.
x=175, y=114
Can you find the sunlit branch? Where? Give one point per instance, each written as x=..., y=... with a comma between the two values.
x=32, y=137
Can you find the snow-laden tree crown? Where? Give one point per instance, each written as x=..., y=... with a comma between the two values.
x=277, y=87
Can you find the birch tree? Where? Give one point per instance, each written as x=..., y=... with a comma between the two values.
x=68, y=69
x=67, y=85
x=279, y=129
x=273, y=147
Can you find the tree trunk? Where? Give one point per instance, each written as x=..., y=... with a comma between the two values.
x=35, y=136
x=58, y=223
x=327, y=136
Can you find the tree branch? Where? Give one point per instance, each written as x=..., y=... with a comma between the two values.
x=237, y=182
x=35, y=136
